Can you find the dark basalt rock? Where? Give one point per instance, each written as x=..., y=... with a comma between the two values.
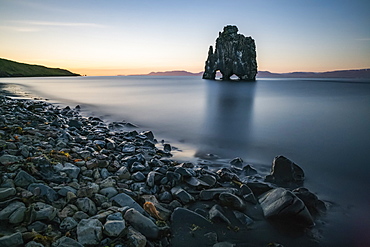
x=235, y=54
x=285, y=172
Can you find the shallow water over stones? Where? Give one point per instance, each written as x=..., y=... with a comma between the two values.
x=87, y=183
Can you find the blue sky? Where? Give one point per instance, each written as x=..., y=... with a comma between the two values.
x=129, y=37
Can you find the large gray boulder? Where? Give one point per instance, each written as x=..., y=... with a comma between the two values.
x=282, y=204
x=235, y=54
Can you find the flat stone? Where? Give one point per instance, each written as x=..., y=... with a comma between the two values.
x=43, y=191
x=89, y=232
x=231, y=201
x=109, y=192
x=6, y=192
x=8, y=159
x=71, y=170
x=12, y=240
x=65, y=189
x=23, y=179
x=142, y=223
x=124, y=200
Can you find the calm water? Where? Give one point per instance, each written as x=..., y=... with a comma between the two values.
x=322, y=125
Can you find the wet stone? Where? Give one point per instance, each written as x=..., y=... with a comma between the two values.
x=89, y=232
x=210, y=194
x=231, y=201
x=6, y=192
x=109, y=192
x=23, y=179
x=13, y=212
x=43, y=211
x=87, y=205
x=43, y=191
x=283, y=204
x=182, y=195
x=123, y=200
x=68, y=224
x=8, y=159
x=12, y=240
x=138, y=177
x=66, y=242
x=142, y=223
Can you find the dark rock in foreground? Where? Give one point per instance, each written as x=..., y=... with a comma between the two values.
x=235, y=54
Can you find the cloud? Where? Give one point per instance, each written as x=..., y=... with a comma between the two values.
x=57, y=24
x=19, y=29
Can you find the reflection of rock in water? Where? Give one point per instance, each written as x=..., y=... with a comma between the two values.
x=226, y=127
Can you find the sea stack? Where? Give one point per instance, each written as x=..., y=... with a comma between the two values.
x=235, y=54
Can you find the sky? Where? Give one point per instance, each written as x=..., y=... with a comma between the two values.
x=122, y=37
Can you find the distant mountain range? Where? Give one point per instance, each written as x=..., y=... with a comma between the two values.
x=359, y=73
x=10, y=68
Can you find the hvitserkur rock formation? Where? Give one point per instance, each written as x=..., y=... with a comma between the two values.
x=235, y=54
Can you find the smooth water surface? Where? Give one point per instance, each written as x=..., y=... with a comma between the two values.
x=322, y=125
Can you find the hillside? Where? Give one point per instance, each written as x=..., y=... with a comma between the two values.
x=10, y=68
x=360, y=73
x=175, y=73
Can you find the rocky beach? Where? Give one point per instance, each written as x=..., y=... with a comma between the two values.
x=74, y=180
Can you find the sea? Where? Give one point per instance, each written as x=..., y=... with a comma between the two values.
x=323, y=125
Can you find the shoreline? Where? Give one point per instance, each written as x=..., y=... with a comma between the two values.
x=83, y=174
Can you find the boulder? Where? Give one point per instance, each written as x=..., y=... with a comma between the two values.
x=285, y=172
x=235, y=54
x=282, y=204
